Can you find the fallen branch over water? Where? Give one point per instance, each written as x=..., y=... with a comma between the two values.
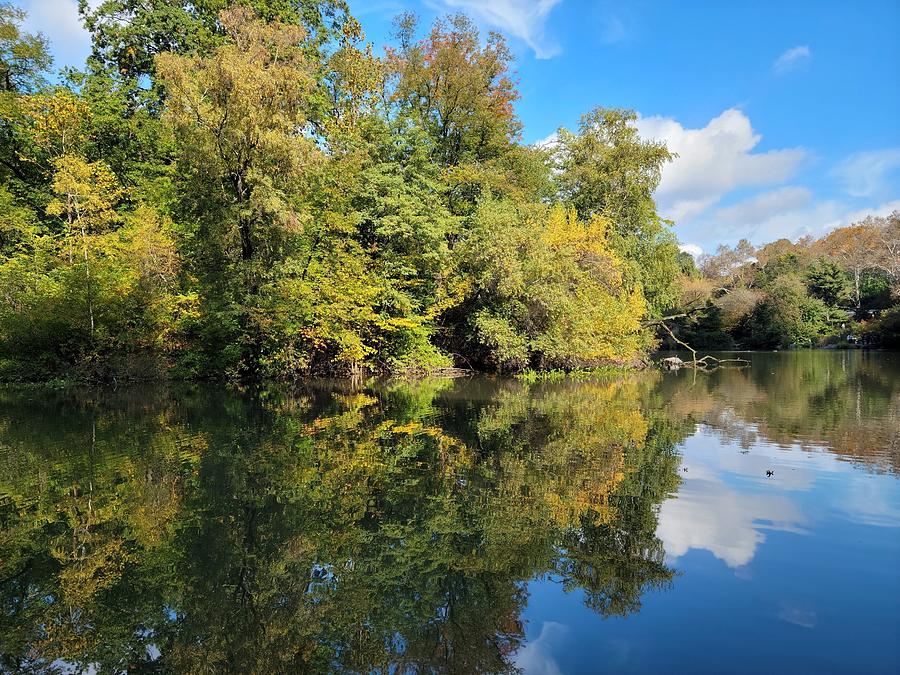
x=706, y=363
x=703, y=363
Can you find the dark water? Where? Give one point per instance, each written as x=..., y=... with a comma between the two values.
x=460, y=525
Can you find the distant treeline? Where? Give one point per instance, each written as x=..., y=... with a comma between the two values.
x=247, y=189
x=840, y=290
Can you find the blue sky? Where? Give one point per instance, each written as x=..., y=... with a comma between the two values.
x=785, y=114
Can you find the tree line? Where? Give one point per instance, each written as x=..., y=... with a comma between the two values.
x=247, y=190
x=840, y=290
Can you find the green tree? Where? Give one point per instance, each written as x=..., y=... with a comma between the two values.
x=86, y=199
x=459, y=91
x=606, y=169
x=852, y=249
x=547, y=290
x=24, y=57
x=240, y=115
x=784, y=264
x=707, y=329
x=18, y=224
x=827, y=282
x=127, y=35
x=687, y=265
x=788, y=316
x=885, y=329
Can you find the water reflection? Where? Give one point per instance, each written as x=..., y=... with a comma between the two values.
x=415, y=527
x=710, y=515
x=378, y=527
x=847, y=403
x=779, y=416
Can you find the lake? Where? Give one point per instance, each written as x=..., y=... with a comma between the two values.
x=460, y=525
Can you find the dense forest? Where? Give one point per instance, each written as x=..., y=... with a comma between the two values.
x=248, y=190
x=241, y=190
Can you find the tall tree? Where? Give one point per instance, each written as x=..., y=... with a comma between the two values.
x=241, y=116
x=24, y=58
x=461, y=92
x=606, y=169
x=86, y=199
x=730, y=265
x=127, y=35
x=852, y=248
x=828, y=282
x=887, y=241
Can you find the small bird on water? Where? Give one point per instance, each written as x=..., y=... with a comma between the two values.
x=769, y=473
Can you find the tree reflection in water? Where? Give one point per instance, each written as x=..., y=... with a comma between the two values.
x=847, y=403
x=385, y=526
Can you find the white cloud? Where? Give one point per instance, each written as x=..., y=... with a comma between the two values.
x=727, y=505
x=718, y=509
x=735, y=531
x=536, y=656
x=548, y=143
x=685, y=209
x=693, y=249
x=58, y=20
x=791, y=59
x=865, y=173
x=713, y=161
x=749, y=219
x=763, y=206
x=523, y=19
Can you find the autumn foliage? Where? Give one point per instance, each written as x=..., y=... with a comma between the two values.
x=842, y=289
x=253, y=192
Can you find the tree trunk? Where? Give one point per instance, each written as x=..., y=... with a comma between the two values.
x=242, y=195
x=246, y=239
x=87, y=271
x=74, y=213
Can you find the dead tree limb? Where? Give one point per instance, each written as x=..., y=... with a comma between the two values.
x=704, y=362
x=681, y=342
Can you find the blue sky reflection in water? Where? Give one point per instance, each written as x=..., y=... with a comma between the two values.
x=471, y=525
x=797, y=572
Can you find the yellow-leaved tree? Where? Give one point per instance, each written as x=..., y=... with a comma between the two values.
x=86, y=196
x=94, y=291
x=548, y=290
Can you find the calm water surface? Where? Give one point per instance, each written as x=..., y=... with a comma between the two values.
x=460, y=526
